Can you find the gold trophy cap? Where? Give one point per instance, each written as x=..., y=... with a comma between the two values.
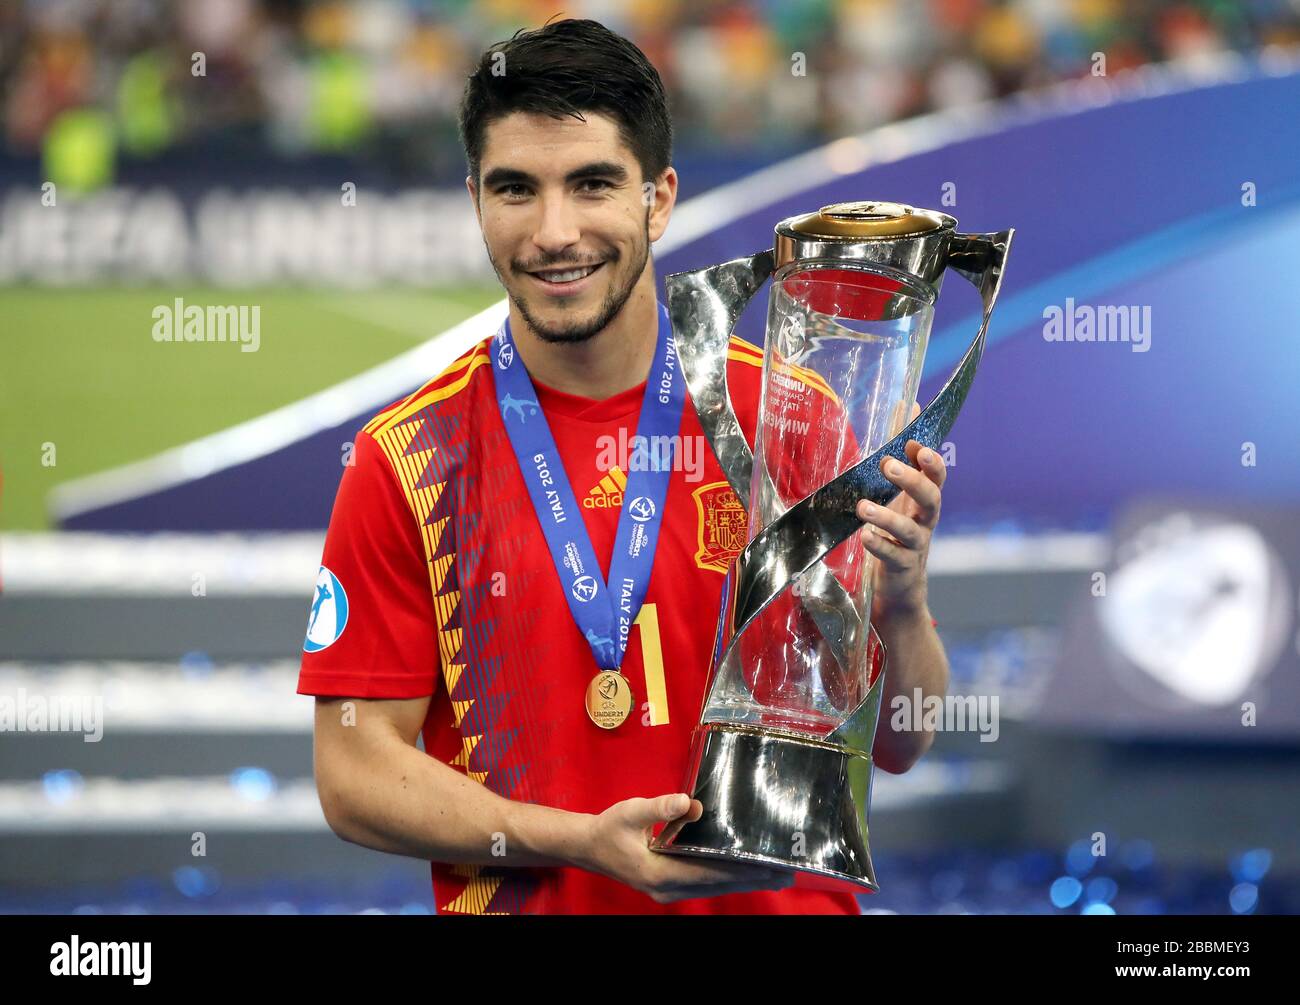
x=866, y=220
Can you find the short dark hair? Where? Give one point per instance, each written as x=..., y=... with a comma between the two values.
x=567, y=68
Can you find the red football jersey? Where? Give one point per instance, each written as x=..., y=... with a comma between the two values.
x=437, y=581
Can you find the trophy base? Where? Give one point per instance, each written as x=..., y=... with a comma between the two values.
x=784, y=800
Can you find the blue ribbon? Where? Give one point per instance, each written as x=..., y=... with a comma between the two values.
x=603, y=613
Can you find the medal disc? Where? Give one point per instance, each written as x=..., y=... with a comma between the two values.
x=609, y=699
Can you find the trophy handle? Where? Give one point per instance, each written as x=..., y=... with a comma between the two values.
x=793, y=542
x=704, y=307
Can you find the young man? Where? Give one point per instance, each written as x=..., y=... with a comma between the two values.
x=463, y=594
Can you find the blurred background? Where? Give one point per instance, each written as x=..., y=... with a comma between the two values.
x=1116, y=575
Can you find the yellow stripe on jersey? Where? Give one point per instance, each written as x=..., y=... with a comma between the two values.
x=409, y=466
x=476, y=896
x=741, y=357
x=395, y=439
x=428, y=394
x=742, y=352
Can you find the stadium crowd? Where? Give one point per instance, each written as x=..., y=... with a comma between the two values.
x=381, y=78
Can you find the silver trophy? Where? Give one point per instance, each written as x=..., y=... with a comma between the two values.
x=781, y=759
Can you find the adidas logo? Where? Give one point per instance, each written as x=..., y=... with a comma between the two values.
x=608, y=492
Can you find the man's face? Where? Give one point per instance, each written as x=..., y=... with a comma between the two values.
x=566, y=219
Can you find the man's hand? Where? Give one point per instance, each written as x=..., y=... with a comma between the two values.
x=898, y=535
x=618, y=846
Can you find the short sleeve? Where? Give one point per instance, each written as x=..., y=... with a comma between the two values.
x=371, y=630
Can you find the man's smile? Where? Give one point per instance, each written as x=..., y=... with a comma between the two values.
x=565, y=281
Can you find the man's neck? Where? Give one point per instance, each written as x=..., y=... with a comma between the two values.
x=614, y=359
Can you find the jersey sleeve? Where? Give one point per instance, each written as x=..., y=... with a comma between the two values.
x=379, y=637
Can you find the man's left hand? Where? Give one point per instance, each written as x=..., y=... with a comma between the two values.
x=898, y=535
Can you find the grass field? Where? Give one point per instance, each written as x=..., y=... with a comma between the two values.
x=80, y=369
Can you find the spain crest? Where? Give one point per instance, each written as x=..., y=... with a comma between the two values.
x=722, y=526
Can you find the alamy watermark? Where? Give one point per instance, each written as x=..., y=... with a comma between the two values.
x=75, y=958
x=181, y=322
x=651, y=453
x=951, y=713
x=59, y=713
x=1105, y=323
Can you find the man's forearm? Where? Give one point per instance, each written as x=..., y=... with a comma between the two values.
x=915, y=659
x=401, y=801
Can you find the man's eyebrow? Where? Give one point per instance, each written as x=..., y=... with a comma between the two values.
x=598, y=169
x=507, y=176
x=611, y=170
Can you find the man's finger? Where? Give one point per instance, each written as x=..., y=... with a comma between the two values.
x=648, y=812
x=895, y=557
x=930, y=462
x=903, y=528
x=690, y=816
x=918, y=487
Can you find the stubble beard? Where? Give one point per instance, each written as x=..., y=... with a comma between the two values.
x=575, y=332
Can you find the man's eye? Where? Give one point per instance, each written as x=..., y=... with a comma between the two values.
x=513, y=191
x=593, y=185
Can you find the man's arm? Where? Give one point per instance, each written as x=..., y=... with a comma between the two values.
x=898, y=536
x=378, y=789
x=916, y=659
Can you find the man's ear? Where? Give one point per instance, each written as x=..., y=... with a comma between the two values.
x=473, y=197
x=661, y=198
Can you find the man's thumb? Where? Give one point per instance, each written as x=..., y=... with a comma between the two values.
x=672, y=806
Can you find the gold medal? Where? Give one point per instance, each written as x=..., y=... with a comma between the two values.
x=609, y=699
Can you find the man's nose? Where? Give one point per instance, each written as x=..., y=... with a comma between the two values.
x=557, y=228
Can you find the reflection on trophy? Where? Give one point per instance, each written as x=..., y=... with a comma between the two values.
x=781, y=759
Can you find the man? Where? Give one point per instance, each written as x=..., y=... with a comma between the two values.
x=472, y=583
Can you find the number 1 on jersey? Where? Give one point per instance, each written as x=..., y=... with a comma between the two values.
x=652, y=658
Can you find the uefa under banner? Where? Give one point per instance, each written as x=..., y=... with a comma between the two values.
x=1168, y=232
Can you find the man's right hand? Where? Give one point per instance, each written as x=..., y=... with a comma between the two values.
x=378, y=789
x=618, y=846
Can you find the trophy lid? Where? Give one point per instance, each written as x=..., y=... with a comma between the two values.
x=866, y=220
x=884, y=233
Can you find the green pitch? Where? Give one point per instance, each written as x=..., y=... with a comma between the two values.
x=84, y=384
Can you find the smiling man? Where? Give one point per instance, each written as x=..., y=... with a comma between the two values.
x=538, y=609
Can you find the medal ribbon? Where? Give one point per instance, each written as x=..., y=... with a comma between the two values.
x=604, y=613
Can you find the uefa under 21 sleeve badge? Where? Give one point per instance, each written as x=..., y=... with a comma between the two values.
x=329, y=613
